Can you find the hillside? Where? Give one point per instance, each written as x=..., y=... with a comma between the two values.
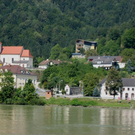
x=41, y=24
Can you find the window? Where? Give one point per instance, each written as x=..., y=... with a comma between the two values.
x=128, y=88
x=123, y=88
x=48, y=92
x=132, y=89
x=3, y=60
x=12, y=59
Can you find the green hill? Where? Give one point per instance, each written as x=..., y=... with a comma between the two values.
x=41, y=24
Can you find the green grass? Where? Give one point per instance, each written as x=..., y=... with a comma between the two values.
x=88, y=102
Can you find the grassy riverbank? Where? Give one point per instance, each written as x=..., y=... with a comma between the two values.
x=89, y=102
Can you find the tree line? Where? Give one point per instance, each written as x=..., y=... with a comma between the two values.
x=39, y=25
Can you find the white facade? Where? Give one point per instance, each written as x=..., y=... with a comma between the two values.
x=105, y=94
x=102, y=65
x=67, y=89
x=43, y=66
x=128, y=92
x=21, y=79
x=8, y=59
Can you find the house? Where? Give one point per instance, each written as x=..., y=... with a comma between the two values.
x=45, y=63
x=16, y=55
x=20, y=74
x=128, y=90
x=106, y=61
x=72, y=90
x=86, y=45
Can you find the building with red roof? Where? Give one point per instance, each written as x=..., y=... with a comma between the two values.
x=16, y=55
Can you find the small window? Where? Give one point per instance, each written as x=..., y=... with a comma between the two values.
x=3, y=60
x=12, y=59
x=48, y=92
x=123, y=88
x=132, y=89
x=128, y=88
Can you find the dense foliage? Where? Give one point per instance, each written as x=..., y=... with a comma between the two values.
x=72, y=73
x=11, y=95
x=41, y=24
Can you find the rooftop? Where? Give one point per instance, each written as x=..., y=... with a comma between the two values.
x=12, y=49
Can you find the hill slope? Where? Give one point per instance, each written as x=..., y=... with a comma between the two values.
x=40, y=24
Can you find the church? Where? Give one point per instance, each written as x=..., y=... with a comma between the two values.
x=15, y=55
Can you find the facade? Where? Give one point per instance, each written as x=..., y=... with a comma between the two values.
x=16, y=55
x=128, y=90
x=48, y=94
x=77, y=55
x=86, y=45
x=106, y=61
x=20, y=74
x=72, y=90
x=45, y=63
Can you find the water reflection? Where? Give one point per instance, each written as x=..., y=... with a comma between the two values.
x=55, y=120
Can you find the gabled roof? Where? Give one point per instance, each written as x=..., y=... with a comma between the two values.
x=45, y=62
x=26, y=53
x=12, y=49
x=130, y=82
x=104, y=59
x=16, y=69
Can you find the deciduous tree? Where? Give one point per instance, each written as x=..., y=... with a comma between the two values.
x=114, y=82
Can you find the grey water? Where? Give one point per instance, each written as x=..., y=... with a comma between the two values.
x=56, y=120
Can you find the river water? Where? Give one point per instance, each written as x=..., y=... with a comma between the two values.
x=56, y=120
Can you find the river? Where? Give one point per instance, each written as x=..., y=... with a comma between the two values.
x=57, y=120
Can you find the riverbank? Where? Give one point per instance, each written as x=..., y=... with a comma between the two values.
x=87, y=102
x=84, y=102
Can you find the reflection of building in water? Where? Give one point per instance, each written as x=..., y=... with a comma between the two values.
x=117, y=117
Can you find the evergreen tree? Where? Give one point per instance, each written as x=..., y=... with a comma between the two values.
x=96, y=92
x=129, y=68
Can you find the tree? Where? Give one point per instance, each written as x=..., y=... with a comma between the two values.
x=89, y=82
x=29, y=91
x=91, y=53
x=96, y=92
x=7, y=85
x=55, y=52
x=114, y=82
x=128, y=38
x=129, y=68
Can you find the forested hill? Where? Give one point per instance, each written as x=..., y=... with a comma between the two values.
x=40, y=24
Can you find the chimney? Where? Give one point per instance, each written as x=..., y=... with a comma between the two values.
x=0, y=47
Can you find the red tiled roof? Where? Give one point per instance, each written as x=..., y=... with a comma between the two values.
x=16, y=69
x=26, y=53
x=12, y=49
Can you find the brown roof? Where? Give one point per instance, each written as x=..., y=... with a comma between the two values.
x=12, y=49
x=16, y=69
x=45, y=62
x=26, y=53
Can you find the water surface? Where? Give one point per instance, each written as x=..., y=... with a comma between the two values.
x=55, y=120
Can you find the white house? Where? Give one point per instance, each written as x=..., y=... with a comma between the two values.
x=20, y=74
x=128, y=90
x=16, y=55
x=106, y=61
x=45, y=63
